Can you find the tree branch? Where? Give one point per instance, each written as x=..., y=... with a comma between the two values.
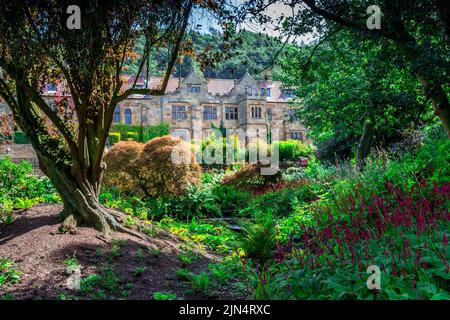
x=347, y=22
x=162, y=89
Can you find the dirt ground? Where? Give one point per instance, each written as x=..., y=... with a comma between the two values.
x=39, y=251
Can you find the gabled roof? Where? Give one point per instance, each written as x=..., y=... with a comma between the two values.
x=193, y=78
x=215, y=86
x=220, y=86
x=245, y=76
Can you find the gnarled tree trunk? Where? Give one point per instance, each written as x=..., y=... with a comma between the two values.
x=365, y=142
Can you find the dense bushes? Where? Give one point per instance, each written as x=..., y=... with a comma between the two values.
x=121, y=170
x=141, y=134
x=291, y=150
x=249, y=177
x=230, y=149
x=403, y=233
x=113, y=137
x=20, y=138
x=20, y=189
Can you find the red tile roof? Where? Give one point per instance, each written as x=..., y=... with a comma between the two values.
x=215, y=86
x=220, y=86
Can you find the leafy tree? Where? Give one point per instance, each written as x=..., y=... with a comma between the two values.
x=363, y=93
x=38, y=47
x=244, y=50
x=419, y=30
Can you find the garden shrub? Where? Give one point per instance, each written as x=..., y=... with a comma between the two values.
x=249, y=177
x=132, y=136
x=211, y=144
x=114, y=137
x=198, y=202
x=141, y=134
x=259, y=241
x=20, y=138
x=284, y=201
x=159, y=175
x=230, y=200
x=159, y=130
x=121, y=170
x=17, y=181
x=292, y=150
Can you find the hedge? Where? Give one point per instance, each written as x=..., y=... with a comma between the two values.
x=20, y=138
x=114, y=137
x=144, y=134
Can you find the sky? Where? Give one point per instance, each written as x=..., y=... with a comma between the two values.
x=202, y=22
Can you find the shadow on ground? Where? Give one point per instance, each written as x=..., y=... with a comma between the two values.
x=121, y=268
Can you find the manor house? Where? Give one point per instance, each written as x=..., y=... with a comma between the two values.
x=195, y=103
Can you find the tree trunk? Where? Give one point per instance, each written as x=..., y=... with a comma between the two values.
x=81, y=206
x=439, y=99
x=365, y=142
x=432, y=86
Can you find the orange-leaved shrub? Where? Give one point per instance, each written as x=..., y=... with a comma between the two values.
x=249, y=177
x=159, y=174
x=121, y=169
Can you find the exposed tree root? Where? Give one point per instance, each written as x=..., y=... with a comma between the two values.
x=107, y=220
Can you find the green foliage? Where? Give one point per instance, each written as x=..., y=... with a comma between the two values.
x=139, y=271
x=200, y=281
x=19, y=189
x=249, y=177
x=138, y=133
x=251, y=51
x=8, y=272
x=160, y=130
x=20, y=138
x=6, y=210
x=133, y=136
x=114, y=137
x=337, y=96
x=164, y=296
x=258, y=241
x=99, y=285
x=284, y=201
x=229, y=147
x=291, y=150
x=25, y=203
x=71, y=262
x=159, y=175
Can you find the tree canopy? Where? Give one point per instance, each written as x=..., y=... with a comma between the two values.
x=418, y=29
x=38, y=48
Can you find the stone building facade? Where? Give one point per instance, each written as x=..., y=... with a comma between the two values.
x=194, y=103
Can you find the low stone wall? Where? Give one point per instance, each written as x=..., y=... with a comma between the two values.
x=17, y=151
x=20, y=152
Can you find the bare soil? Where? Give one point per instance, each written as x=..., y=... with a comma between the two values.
x=39, y=251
